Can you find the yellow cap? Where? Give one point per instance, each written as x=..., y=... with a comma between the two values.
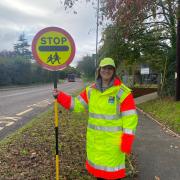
x=107, y=62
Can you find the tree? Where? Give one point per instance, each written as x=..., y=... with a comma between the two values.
x=87, y=66
x=156, y=15
x=5, y=71
x=16, y=66
x=22, y=47
x=155, y=19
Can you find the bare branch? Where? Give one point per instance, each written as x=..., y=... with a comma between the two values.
x=163, y=9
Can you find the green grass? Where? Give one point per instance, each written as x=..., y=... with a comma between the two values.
x=35, y=138
x=167, y=111
x=145, y=85
x=30, y=152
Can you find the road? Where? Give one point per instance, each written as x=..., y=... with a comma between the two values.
x=20, y=105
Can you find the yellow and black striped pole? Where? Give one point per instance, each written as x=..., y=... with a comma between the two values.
x=56, y=126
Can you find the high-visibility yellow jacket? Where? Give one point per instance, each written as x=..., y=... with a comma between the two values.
x=111, y=127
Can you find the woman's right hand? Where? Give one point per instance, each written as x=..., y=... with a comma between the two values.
x=55, y=93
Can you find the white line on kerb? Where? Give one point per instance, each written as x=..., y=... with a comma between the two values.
x=21, y=113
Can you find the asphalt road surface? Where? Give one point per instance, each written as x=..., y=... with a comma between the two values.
x=20, y=105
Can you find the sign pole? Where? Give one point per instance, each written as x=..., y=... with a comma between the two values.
x=54, y=49
x=56, y=125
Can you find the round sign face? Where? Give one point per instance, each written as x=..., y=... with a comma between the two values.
x=53, y=48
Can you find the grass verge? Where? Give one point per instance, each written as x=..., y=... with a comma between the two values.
x=166, y=111
x=30, y=152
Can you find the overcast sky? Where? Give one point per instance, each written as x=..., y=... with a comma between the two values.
x=30, y=16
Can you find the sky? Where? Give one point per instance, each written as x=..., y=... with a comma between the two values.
x=30, y=16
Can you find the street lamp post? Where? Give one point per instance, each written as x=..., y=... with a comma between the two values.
x=178, y=55
x=97, y=27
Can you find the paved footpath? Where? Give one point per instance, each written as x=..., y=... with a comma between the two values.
x=157, y=152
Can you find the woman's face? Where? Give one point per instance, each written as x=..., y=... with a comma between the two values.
x=106, y=72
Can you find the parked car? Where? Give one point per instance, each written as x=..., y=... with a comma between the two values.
x=71, y=77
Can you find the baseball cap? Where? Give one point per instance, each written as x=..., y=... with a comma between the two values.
x=107, y=62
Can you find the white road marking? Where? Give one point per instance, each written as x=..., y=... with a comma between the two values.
x=5, y=118
x=1, y=128
x=42, y=103
x=21, y=93
x=24, y=112
x=7, y=121
x=2, y=122
x=32, y=105
x=9, y=124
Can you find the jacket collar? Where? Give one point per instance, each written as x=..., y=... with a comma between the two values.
x=114, y=82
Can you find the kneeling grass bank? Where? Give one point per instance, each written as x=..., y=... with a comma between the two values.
x=30, y=152
x=166, y=111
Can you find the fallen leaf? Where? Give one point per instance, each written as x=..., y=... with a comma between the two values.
x=157, y=178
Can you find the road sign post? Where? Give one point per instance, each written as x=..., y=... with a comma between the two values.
x=56, y=118
x=54, y=49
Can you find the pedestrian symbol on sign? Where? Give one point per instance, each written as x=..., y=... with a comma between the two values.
x=53, y=58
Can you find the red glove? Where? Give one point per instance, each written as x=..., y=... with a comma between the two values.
x=64, y=99
x=126, y=144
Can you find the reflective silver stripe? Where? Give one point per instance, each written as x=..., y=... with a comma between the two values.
x=72, y=104
x=118, y=107
x=129, y=131
x=130, y=112
x=105, y=128
x=83, y=102
x=103, y=116
x=105, y=168
x=120, y=93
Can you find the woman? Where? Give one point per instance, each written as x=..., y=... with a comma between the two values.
x=111, y=124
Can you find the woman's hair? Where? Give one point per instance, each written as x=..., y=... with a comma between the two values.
x=98, y=75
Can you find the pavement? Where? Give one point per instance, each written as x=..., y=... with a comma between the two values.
x=145, y=98
x=156, y=149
